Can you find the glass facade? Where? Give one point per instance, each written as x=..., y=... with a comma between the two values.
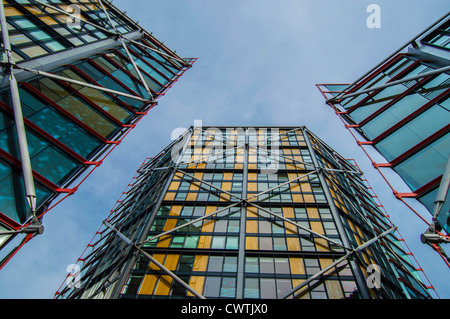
x=93, y=91
x=402, y=109
x=246, y=213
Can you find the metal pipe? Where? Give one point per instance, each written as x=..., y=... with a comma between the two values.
x=18, y=118
x=396, y=52
x=442, y=192
x=335, y=213
x=337, y=262
x=380, y=87
x=298, y=225
x=100, y=88
x=69, y=14
x=158, y=264
x=141, y=77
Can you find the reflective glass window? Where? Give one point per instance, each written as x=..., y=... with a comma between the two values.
x=426, y=165
x=414, y=132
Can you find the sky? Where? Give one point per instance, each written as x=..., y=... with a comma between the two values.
x=258, y=64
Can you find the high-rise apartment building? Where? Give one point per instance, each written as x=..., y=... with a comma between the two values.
x=247, y=213
x=401, y=109
x=78, y=75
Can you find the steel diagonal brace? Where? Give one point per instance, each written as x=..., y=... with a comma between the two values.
x=278, y=135
x=278, y=156
x=281, y=185
x=27, y=170
x=96, y=87
x=207, y=184
x=389, y=84
x=336, y=263
x=299, y=226
x=200, y=160
x=192, y=222
x=224, y=139
x=106, y=30
x=348, y=200
x=158, y=264
x=141, y=77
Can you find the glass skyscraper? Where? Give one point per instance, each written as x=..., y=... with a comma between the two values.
x=77, y=77
x=247, y=213
x=401, y=109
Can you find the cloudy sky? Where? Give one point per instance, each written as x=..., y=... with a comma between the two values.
x=258, y=63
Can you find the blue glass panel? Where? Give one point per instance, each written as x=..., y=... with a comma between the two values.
x=414, y=132
x=12, y=197
x=444, y=217
x=393, y=115
x=59, y=127
x=168, y=73
x=106, y=81
x=48, y=161
x=426, y=165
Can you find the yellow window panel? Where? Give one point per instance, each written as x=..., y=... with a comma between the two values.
x=313, y=212
x=252, y=187
x=172, y=262
x=164, y=285
x=210, y=210
x=204, y=242
x=208, y=226
x=46, y=19
x=148, y=285
x=334, y=289
x=317, y=227
x=175, y=211
x=170, y=224
x=169, y=196
x=164, y=241
x=302, y=293
x=290, y=166
x=321, y=244
x=251, y=243
x=306, y=187
x=252, y=226
x=297, y=266
x=252, y=166
x=228, y=176
x=200, y=263
x=293, y=244
x=197, y=283
x=198, y=175
x=191, y=197
x=159, y=258
x=239, y=166
x=290, y=228
x=288, y=212
x=174, y=186
x=225, y=197
x=12, y=12
x=195, y=186
x=226, y=186
x=309, y=198
x=297, y=198
x=252, y=212
x=252, y=176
